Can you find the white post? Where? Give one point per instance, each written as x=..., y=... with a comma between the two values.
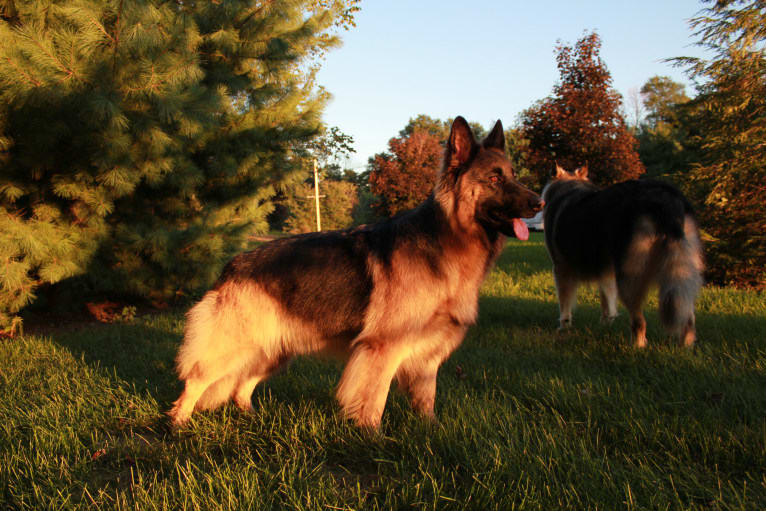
x=316, y=195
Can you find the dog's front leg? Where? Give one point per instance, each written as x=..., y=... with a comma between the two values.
x=608, y=291
x=566, y=289
x=417, y=374
x=364, y=385
x=419, y=383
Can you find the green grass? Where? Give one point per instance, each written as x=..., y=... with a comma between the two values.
x=529, y=419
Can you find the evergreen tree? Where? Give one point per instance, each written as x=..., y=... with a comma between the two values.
x=729, y=114
x=141, y=142
x=581, y=122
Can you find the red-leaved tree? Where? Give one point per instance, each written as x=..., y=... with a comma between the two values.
x=581, y=123
x=404, y=176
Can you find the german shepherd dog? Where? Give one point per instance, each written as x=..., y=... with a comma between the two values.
x=394, y=299
x=626, y=237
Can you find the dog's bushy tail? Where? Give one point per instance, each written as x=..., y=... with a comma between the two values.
x=680, y=277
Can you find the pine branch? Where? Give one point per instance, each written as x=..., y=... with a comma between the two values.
x=29, y=78
x=116, y=36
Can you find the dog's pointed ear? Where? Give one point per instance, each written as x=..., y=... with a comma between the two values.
x=582, y=172
x=461, y=144
x=560, y=172
x=496, y=137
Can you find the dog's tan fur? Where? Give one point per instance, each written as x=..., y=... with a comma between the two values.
x=418, y=312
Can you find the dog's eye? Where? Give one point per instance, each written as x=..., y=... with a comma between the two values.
x=494, y=179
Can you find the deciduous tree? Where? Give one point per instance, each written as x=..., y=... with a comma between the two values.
x=336, y=206
x=665, y=146
x=404, y=176
x=581, y=123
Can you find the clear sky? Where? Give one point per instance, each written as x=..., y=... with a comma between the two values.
x=485, y=60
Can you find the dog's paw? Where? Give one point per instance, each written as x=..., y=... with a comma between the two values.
x=177, y=418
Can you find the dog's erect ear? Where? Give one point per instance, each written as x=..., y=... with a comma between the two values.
x=496, y=137
x=560, y=172
x=582, y=172
x=461, y=144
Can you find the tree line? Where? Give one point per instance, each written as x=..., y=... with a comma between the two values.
x=712, y=145
x=143, y=143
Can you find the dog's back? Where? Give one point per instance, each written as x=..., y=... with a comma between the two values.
x=591, y=229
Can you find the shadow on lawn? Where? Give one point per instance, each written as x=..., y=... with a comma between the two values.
x=138, y=353
x=512, y=365
x=142, y=353
x=525, y=256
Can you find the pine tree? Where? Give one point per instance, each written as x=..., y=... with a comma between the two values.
x=141, y=142
x=581, y=123
x=729, y=117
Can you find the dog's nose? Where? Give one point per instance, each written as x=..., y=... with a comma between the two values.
x=537, y=204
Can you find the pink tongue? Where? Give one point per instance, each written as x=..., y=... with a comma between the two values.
x=520, y=229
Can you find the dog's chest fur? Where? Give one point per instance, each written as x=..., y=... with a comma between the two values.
x=412, y=295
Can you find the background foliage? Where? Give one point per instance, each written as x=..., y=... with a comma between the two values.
x=141, y=142
x=728, y=116
x=405, y=175
x=339, y=198
x=581, y=122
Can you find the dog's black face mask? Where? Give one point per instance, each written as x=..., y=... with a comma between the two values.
x=501, y=201
x=505, y=204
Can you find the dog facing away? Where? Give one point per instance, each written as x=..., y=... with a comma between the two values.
x=625, y=237
x=394, y=299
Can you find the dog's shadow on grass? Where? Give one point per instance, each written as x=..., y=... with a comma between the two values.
x=142, y=355
x=514, y=336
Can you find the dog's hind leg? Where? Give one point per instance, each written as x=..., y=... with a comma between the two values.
x=195, y=386
x=243, y=393
x=638, y=327
x=632, y=289
x=566, y=289
x=419, y=383
x=636, y=273
x=607, y=287
x=231, y=337
x=680, y=279
x=214, y=385
x=365, y=382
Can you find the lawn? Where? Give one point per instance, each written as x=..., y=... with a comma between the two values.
x=529, y=418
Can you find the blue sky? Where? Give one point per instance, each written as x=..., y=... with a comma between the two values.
x=485, y=60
